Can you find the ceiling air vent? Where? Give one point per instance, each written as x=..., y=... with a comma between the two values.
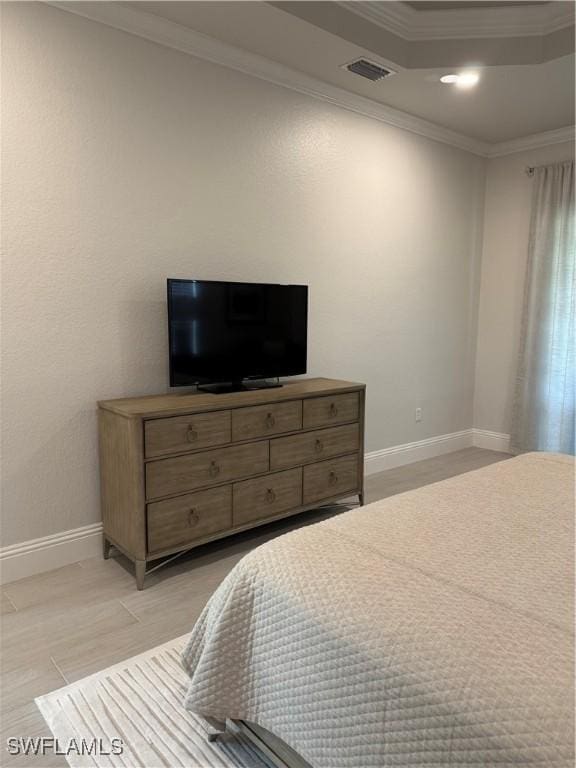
x=368, y=69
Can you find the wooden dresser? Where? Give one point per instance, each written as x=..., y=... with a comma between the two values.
x=180, y=470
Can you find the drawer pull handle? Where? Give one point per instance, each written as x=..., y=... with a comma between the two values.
x=270, y=420
x=333, y=409
x=270, y=496
x=193, y=518
x=318, y=446
x=191, y=434
x=332, y=478
x=214, y=469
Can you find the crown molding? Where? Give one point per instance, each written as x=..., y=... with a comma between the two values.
x=406, y=22
x=534, y=141
x=167, y=33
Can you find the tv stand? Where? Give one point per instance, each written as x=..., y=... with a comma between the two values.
x=180, y=470
x=226, y=387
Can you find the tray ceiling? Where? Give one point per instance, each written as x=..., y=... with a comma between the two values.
x=305, y=45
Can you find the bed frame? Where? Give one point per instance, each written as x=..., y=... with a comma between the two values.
x=276, y=751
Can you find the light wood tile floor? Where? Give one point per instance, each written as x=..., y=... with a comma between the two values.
x=60, y=626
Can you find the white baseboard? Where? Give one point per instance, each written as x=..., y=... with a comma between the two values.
x=492, y=441
x=45, y=554
x=49, y=552
x=399, y=455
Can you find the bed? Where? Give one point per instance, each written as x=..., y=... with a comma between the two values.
x=434, y=627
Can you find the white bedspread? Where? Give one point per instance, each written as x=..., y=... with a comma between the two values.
x=433, y=628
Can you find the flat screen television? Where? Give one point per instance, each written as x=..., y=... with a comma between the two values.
x=232, y=332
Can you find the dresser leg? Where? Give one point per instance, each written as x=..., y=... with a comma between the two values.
x=361, y=498
x=140, y=568
x=106, y=546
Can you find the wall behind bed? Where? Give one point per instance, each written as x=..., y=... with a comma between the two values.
x=126, y=162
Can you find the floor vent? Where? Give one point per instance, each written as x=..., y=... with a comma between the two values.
x=368, y=69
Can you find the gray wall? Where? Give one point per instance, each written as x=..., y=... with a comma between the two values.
x=505, y=251
x=126, y=162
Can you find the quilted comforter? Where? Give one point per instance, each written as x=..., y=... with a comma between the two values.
x=432, y=628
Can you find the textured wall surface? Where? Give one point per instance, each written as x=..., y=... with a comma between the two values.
x=505, y=251
x=126, y=162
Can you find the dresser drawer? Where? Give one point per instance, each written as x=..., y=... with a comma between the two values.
x=263, y=420
x=188, y=518
x=167, y=477
x=313, y=446
x=330, y=478
x=324, y=411
x=185, y=433
x=267, y=496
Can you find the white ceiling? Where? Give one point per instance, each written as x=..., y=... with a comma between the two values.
x=453, y=20
x=507, y=103
x=511, y=101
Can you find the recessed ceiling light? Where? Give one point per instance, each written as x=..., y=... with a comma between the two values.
x=462, y=80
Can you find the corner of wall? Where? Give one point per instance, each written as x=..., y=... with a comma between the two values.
x=504, y=248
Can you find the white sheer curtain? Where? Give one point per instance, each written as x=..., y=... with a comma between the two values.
x=544, y=407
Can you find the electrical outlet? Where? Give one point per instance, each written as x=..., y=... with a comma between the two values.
x=418, y=414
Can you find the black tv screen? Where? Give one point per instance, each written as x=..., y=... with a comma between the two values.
x=226, y=332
